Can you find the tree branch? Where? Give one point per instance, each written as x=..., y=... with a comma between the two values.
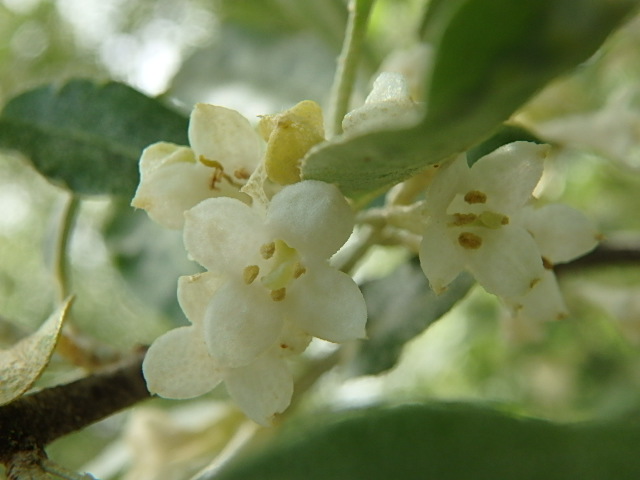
x=603, y=256
x=31, y=422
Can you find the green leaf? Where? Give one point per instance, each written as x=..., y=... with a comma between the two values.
x=22, y=364
x=491, y=57
x=401, y=306
x=88, y=136
x=443, y=442
x=507, y=134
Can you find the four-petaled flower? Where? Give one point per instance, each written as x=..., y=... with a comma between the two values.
x=470, y=221
x=279, y=289
x=178, y=364
x=224, y=152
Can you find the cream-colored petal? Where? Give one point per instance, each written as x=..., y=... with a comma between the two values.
x=508, y=263
x=170, y=183
x=561, y=232
x=241, y=322
x=223, y=135
x=543, y=303
x=177, y=365
x=219, y=233
x=450, y=180
x=509, y=174
x=263, y=389
x=195, y=292
x=440, y=258
x=328, y=304
x=312, y=217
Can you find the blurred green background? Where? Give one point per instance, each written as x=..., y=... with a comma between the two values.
x=260, y=57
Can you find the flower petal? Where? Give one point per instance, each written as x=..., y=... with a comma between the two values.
x=450, y=179
x=220, y=232
x=543, y=302
x=177, y=365
x=170, y=182
x=509, y=174
x=195, y=293
x=561, y=232
x=328, y=304
x=241, y=322
x=440, y=258
x=312, y=217
x=508, y=263
x=225, y=136
x=263, y=389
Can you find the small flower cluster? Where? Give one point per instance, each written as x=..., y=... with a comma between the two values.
x=268, y=288
x=265, y=236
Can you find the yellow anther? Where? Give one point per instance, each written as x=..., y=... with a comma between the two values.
x=250, y=273
x=279, y=294
x=475, y=196
x=463, y=219
x=469, y=240
x=547, y=264
x=298, y=270
x=267, y=250
x=241, y=174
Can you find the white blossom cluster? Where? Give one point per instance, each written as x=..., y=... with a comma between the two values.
x=268, y=286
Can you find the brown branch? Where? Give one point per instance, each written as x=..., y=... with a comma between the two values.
x=31, y=422
x=603, y=256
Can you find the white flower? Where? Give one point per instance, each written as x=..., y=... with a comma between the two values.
x=388, y=106
x=178, y=364
x=279, y=289
x=561, y=234
x=224, y=152
x=470, y=221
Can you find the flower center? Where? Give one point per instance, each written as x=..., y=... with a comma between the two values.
x=469, y=210
x=283, y=266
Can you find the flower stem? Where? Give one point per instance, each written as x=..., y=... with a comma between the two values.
x=347, y=69
x=61, y=255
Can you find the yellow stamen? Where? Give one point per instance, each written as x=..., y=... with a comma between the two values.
x=475, y=196
x=298, y=270
x=250, y=273
x=279, y=294
x=267, y=250
x=469, y=240
x=463, y=219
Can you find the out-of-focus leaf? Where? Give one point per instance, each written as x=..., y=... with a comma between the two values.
x=150, y=259
x=326, y=18
x=243, y=65
x=443, y=442
x=22, y=364
x=88, y=136
x=401, y=306
x=491, y=57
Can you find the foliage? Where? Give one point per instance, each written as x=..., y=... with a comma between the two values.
x=495, y=72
